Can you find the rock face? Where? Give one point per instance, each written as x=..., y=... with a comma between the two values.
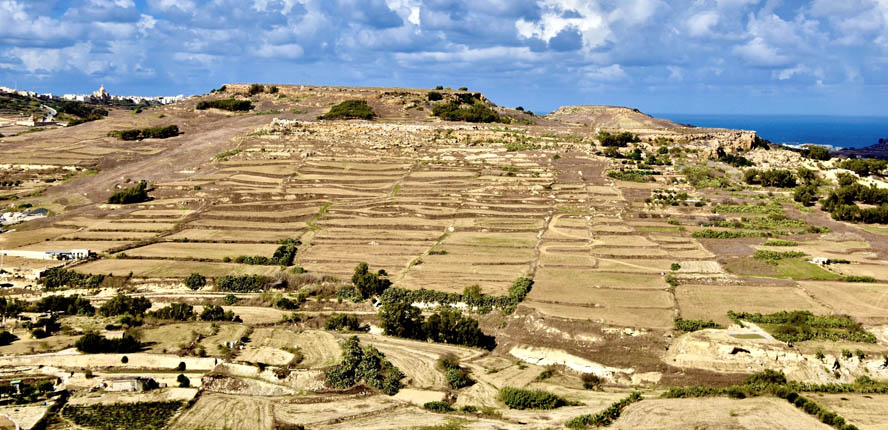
x=733, y=351
x=610, y=117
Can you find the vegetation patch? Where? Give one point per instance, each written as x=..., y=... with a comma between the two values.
x=684, y=325
x=471, y=110
x=617, y=140
x=233, y=105
x=364, y=364
x=135, y=416
x=136, y=194
x=92, y=343
x=780, y=242
x=632, y=175
x=242, y=283
x=520, y=398
x=283, y=255
x=605, y=417
x=799, y=326
x=57, y=278
x=159, y=132
x=350, y=109
x=725, y=234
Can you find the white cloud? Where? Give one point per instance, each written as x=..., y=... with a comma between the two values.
x=610, y=73
x=288, y=51
x=583, y=16
x=757, y=53
x=701, y=24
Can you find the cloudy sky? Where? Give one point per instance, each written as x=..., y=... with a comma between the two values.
x=676, y=56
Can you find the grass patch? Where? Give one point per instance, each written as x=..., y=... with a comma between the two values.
x=784, y=268
x=135, y=416
x=159, y=132
x=780, y=242
x=226, y=154
x=799, y=326
x=707, y=233
x=659, y=229
x=321, y=212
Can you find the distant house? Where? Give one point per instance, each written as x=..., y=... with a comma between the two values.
x=131, y=384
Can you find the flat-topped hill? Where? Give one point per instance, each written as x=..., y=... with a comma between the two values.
x=611, y=117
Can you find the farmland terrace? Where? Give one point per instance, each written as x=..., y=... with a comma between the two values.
x=654, y=264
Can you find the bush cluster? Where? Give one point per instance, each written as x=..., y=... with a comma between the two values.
x=216, y=313
x=725, y=234
x=350, y=109
x=70, y=305
x=242, y=283
x=402, y=319
x=175, y=312
x=684, y=325
x=519, y=398
x=605, y=417
x=841, y=203
x=343, y=322
x=159, y=132
x=121, y=305
x=864, y=167
x=195, y=281
x=780, y=178
x=367, y=284
x=438, y=406
x=472, y=296
x=476, y=111
x=816, y=152
x=283, y=256
x=56, y=278
x=364, y=364
x=617, y=140
x=136, y=194
x=232, y=105
x=92, y=343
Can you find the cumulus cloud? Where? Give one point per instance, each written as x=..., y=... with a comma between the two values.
x=687, y=44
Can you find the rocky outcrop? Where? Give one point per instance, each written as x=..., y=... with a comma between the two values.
x=745, y=351
x=610, y=117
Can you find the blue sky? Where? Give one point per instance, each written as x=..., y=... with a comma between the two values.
x=681, y=56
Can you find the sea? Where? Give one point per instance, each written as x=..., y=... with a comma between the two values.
x=834, y=131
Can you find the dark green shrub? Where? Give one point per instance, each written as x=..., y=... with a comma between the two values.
x=136, y=194
x=816, y=152
x=195, y=281
x=369, y=284
x=70, y=305
x=255, y=89
x=159, y=132
x=438, y=406
x=174, y=312
x=183, y=381
x=476, y=111
x=121, y=304
x=216, y=313
x=591, y=381
x=343, y=322
x=242, y=283
x=366, y=365
x=435, y=96
x=6, y=338
x=350, y=109
x=617, y=140
x=92, y=343
x=519, y=398
x=684, y=325
x=233, y=105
